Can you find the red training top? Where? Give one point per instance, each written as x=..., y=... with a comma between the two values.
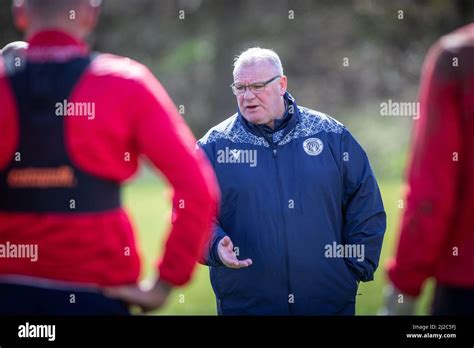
x=133, y=116
x=437, y=231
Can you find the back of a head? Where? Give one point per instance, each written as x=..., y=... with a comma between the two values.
x=455, y=54
x=53, y=8
x=75, y=16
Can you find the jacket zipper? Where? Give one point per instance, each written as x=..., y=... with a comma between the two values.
x=280, y=191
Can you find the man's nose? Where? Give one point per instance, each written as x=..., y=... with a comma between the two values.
x=248, y=94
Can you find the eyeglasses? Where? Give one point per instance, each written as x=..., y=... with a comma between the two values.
x=256, y=88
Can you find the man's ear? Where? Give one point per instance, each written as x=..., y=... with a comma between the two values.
x=89, y=20
x=20, y=16
x=283, y=84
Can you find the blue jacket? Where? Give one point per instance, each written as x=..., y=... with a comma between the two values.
x=302, y=202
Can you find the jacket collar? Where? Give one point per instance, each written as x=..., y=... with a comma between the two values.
x=287, y=123
x=55, y=46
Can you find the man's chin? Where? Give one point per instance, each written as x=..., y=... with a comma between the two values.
x=255, y=119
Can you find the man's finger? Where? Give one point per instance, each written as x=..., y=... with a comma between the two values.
x=245, y=263
x=248, y=262
x=232, y=262
x=225, y=241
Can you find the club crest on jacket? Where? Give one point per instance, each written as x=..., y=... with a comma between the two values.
x=313, y=146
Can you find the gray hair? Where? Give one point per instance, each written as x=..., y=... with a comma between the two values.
x=256, y=54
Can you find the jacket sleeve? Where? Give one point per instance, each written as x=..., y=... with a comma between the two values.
x=433, y=176
x=364, y=214
x=211, y=258
x=163, y=136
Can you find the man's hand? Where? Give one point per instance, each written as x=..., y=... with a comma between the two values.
x=396, y=304
x=225, y=250
x=147, y=297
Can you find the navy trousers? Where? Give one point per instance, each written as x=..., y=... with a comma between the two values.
x=450, y=300
x=18, y=299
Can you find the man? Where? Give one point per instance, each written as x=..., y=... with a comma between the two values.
x=73, y=125
x=301, y=219
x=437, y=222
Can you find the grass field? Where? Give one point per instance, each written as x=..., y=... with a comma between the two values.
x=147, y=201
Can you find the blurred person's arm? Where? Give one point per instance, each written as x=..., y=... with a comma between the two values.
x=431, y=197
x=364, y=214
x=163, y=136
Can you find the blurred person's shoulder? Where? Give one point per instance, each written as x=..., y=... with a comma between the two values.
x=458, y=39
x=117, y=68
x=2, y=68
x=452, y=51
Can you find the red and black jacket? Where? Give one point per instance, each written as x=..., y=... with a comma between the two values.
x=60, y=173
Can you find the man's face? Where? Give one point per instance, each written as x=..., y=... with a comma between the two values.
x=266, y=106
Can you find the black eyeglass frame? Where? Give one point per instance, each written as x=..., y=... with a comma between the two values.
x=262, y=85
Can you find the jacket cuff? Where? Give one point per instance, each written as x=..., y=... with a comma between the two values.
x=214, y=259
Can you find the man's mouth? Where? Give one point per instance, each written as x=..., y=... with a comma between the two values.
x=251, y=107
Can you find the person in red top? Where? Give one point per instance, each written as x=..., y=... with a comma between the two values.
x=72, y=127
x=437, y=230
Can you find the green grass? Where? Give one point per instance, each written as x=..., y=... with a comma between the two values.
x=148, y=204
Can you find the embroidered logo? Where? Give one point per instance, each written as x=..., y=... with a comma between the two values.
x=313, y=146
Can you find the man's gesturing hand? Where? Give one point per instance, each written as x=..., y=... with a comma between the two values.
x=225, y=249
x=147, y=297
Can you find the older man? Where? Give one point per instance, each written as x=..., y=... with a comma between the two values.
x=302, y=220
